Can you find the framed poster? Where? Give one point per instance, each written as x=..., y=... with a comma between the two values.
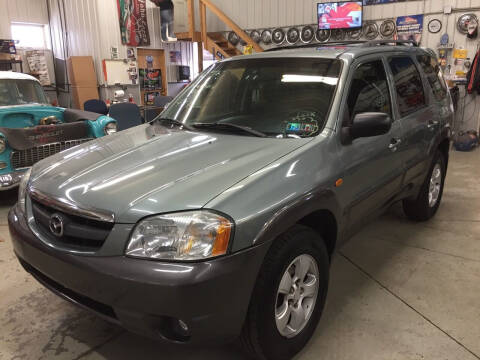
x=410, y=28
x=133, y=22
x=176, y=57
x=150, y=79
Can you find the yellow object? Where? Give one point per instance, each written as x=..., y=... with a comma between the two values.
x=460, y=53
x=248, y=50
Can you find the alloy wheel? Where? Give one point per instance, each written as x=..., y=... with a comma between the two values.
x=296, y=296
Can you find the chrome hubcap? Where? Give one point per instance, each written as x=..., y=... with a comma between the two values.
x=435, y=185
x=296, y=296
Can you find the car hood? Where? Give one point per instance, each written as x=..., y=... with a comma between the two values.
x=22, y=116
x=150, y=169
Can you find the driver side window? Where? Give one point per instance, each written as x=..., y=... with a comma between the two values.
x=369, y=90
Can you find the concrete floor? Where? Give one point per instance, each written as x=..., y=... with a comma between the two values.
x=399, y=290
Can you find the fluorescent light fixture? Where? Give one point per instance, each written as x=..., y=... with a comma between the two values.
x=292, y=78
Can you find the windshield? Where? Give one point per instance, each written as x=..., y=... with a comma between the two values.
x=279, y=97
x=21, y=92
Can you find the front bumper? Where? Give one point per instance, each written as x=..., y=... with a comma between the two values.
x=147, y=297
x=11, y=180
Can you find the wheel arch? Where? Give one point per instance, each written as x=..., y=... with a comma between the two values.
x=319, y=211
x=444, y=148
x=323, y=222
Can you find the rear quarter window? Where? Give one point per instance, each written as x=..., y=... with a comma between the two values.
x=434, y=76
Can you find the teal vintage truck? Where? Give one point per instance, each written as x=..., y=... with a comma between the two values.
x=31, y=129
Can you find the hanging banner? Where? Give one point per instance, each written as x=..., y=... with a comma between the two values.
x=133, y=22
x=410, y=28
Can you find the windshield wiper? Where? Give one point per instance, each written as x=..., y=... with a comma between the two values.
x=174, y=122
x=229, y=126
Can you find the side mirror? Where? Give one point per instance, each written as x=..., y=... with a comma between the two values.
x=367, y=125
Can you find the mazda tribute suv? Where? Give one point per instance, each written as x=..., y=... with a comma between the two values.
x=219, y=219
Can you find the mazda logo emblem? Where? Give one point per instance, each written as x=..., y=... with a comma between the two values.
x=56, y=225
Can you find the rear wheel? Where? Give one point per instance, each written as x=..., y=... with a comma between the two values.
x=425, y=206
x=289, y=296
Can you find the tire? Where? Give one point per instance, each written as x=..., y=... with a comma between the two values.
x=421, y=208
x=261, y=337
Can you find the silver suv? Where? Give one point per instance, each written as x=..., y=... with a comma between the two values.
x=220, y=218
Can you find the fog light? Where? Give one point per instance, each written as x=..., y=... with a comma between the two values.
x=174, y=329
x=3, y=165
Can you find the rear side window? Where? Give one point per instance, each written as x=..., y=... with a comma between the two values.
x=369, y=90
x=434, y=76
x=408, y=85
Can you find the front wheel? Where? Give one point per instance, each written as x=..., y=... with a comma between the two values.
x=289, y=296
x=425, y=206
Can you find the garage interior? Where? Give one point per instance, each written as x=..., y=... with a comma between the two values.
x=398, y=289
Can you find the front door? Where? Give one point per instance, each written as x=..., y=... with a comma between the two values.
x=373, y=166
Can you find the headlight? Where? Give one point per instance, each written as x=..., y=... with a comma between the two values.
x=110, y=128
x=22, y=190
x=3, y=144
x=192, y=235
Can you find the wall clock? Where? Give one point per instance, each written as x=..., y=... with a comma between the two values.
x=434, y=26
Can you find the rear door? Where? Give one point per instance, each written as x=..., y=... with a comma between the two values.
x=439, y=100
x=373, y=166
x=413, y=112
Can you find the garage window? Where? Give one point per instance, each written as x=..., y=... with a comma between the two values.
x=30, y=35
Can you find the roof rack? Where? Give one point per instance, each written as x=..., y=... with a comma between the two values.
x=365, y=43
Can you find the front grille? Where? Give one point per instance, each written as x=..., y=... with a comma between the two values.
x=72, y=295
x=79, y=233
x=26, y=158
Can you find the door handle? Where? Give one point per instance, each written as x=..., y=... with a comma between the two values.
x=432, y=124
x=394, y=144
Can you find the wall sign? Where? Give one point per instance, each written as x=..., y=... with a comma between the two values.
x=409, y=28
x=133, y=22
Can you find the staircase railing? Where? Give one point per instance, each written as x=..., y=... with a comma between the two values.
x=204, y=4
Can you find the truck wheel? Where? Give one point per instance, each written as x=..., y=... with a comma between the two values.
x=428, y=201
x=289, y=296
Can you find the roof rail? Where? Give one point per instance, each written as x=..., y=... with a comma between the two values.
x=363, y=43
x=391, y=42
x=331, y=43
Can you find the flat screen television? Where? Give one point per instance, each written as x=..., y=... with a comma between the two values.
x=340, y=15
